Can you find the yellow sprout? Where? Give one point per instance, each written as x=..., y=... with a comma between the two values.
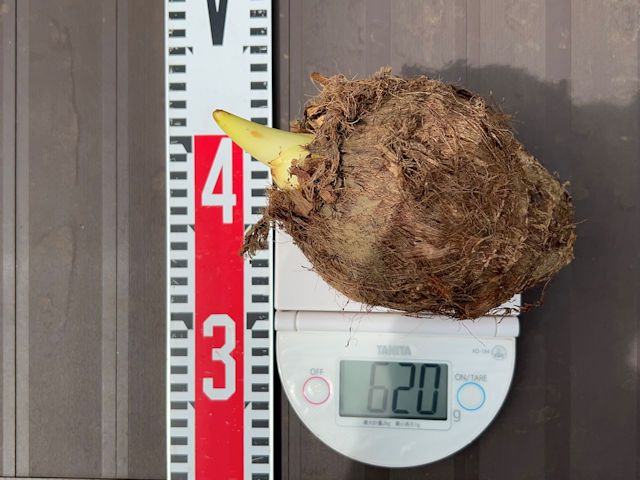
x=275, y=148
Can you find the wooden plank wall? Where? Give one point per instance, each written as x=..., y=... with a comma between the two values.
x=83, y=107
x=568, y=70
x=7, y=236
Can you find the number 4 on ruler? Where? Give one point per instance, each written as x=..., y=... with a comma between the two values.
x=222, y=164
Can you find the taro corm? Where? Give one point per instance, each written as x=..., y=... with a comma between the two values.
x=411, y=194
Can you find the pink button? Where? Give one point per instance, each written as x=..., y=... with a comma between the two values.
x=316, y=390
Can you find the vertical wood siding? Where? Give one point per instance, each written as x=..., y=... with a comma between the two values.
x=90, y=238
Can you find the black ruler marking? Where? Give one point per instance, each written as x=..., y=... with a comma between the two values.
x=259, y=333
x=186, y=142
x=253, y=317
x=259, y=175
x=184, y=317
x=178, y=210
x=178, y=193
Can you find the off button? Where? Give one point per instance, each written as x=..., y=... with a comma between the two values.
x=471, y=396
x=316, y=390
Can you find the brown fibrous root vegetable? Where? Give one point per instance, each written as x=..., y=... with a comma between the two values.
x=417, y=196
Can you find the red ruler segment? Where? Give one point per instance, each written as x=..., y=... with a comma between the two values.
x=219, y=346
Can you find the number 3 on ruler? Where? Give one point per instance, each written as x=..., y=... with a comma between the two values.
x=221, y=354
x=222, y=164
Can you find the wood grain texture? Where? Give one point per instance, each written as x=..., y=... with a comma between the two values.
x=606, y=176
x=48, y=478
x=146, y=243
x=56, y=478
x=91, y=244
x=281, y=62
x=64, y=196
x=425, y=34
x=22, y=238
x=568, y=71
x=7, y=235
x=109, y=241
x=122, y=240
x=331, y=39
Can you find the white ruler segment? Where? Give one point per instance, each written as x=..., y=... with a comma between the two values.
x=218, y=55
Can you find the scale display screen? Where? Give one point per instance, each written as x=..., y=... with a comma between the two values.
x=393, y=390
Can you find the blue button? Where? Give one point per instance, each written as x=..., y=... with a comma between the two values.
x=471, y=396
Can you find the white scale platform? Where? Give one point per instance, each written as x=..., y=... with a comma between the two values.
x=338, y=364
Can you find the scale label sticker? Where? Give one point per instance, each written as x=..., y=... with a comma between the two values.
x=219, y=304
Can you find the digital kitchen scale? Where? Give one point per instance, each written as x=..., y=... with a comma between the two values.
x=381, y=387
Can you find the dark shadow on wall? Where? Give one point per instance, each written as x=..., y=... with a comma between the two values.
x=579, y=342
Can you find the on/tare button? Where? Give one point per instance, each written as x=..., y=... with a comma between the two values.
x=316, y=390
x=471, y=396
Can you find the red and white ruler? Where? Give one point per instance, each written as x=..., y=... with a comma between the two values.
x=220, y=361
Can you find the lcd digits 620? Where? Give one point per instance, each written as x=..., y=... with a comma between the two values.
x=393, y=390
